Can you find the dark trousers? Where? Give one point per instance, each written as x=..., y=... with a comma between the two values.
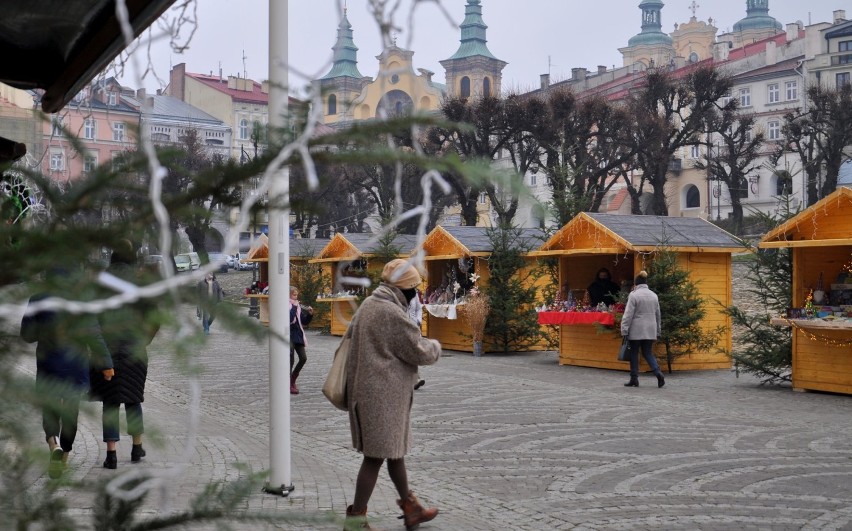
x=133, y=413
x=303, y=357
x=60, y=418
x=645, y=345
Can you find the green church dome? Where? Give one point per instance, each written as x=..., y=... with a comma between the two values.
x=757, y=17
x=652, y=33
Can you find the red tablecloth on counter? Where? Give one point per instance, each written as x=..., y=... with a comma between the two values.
x=571, y=318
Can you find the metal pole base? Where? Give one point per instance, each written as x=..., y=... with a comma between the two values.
x=282, y=490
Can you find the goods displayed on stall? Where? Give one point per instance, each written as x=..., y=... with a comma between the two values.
x=831, y=309
x=570, y=309
x=443, y=301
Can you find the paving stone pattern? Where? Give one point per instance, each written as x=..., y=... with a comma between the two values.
x=509, y=442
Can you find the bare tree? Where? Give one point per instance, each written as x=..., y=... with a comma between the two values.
x=670, y=113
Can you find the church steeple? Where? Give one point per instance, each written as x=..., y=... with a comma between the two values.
x=473, y=41
x=757, y=18
x=345, y=53
x=473, y=70
x=652, y=26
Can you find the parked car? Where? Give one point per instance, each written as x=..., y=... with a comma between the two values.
x=183, y=263
x=246, y=266
x=233, y=261
x=220, y=260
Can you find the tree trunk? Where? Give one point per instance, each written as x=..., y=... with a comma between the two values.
x=661, y=207
x=469, y=214
x=196, y=237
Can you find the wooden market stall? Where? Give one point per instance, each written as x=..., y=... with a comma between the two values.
x=260, y=255
x=354, y=255
x=820, y=239
x=625, y=245
x=301, y=251
x=452, y=254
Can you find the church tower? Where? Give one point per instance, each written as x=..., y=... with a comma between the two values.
x=343, y=82
x=757, y=25
x=473, y=71
x=651, y=46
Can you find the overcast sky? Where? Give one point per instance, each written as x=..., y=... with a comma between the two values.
x=529, y=35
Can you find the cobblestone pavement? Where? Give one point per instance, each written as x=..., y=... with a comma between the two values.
x=512, y=442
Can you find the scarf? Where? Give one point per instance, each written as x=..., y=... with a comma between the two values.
x=298, y=319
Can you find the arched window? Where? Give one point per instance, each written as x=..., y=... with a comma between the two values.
x=693, y=57
x=332, y=104
x=693, y=197
x=486, y=88
x=465, y=87
x=244, y=130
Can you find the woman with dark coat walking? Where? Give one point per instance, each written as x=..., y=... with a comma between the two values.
x=641, y=325
x=210, y=294
x=127, y=331
x=385, y=350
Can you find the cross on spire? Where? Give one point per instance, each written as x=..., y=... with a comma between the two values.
x=694, y=7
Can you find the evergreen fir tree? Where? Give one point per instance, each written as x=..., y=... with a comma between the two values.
x=682, y=309
x=513, y=322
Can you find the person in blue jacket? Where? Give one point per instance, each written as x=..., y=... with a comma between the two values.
x=67, y=346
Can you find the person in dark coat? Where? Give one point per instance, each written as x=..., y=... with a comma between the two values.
x=210, y=294
x=68, y=345
x=641, y=325
x=127, y=331
x=300, y=317
x=385, y=349
x=603, y=289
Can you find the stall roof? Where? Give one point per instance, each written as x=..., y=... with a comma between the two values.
x=456, y=242
x=594, y=233
x=355, y=244
x=825, y=223
x=307, y=247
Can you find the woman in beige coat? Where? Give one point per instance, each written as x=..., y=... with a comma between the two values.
x=385, y=350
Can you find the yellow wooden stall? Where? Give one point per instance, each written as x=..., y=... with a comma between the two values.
x=820, y=239
x=452, y=253
x=353, y=255
x=260, y=255
x=625, y=245
x=302, y=251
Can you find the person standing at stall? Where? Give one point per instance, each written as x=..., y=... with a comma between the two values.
x=385, y=350
x=603, y=289
x=641, y=325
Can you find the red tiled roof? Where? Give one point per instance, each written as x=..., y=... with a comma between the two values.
x=617, y=201
x=214, y=82
x=760, y=46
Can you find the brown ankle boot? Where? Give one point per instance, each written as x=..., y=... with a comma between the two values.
x=355, y=520
x=413, y=513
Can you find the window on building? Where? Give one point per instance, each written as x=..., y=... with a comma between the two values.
x=792, y=89
x=844, y=46
x=112, y=98
x=57, y=161
x=747, y=135
x=745, y=97
x=482, y=198
x=486, y=87
x=774, y=93
x=726, y=99
x=56, y=123
x=118, y=131
x=244, y=129
x=89, y=129
x=533, y=179
x=693, y=57
x=693, y=197
x=465, y=87
x=159, y=137
x=843, y=79
x=784, y=184
x=90, y=163
x=773, y=129
x=694, y=151
x=332, y=104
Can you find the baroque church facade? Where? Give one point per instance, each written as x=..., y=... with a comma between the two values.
x=348, y=95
